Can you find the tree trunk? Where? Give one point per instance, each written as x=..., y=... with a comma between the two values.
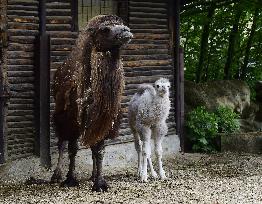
x=204, y=44
x=244, y=68
x=231, y=46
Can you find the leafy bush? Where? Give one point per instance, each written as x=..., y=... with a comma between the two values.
x=227, y=120
x=202, y=127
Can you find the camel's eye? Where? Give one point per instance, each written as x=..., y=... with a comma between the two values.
x=157, y=86
x=105, y=30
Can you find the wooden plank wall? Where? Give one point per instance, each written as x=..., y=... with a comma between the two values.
x=59, y=26
x=22, y=30
x=148, y=57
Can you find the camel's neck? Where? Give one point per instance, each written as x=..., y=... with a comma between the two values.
x=107, y=78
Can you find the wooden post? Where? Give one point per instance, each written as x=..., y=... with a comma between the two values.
x=4, y=91
x=182, y=99
x=178, y=70
x=74, y=14
x=43, y=90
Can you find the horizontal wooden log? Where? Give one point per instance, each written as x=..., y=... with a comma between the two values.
x=20, y=54
x=58, y=5
x=147, y=51
x=23, y=32
x=147, y=68
x=12, y=114
x=146, y=36
x=58, y=12
x=60, y=53
x=22, y=39
x=146, y=26
x=22, y=12
x=147, y=63
x=65, y=34
x=19, y=80
x=22, y=7
x=152, y=14
x=11, y=68
x=149, y=73
x=21, y=47
x=58, y=19
x=20, y=130
x=20, y=61
x=23, y=19
x=22, y=87
x=58, y=27
x=61, y=47
x=21, y=124
x=21, y=101
x=20, y=73
x=136, y=20
x=162, y=10
x=149, y=32
x=62, y=41
x=23, y=2
x=21, y=26
x=145, y=4
x=145, y=46
x=155, y=56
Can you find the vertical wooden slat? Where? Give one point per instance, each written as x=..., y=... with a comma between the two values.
x=44, y=88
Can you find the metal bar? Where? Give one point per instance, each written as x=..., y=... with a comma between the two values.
x=43, y=79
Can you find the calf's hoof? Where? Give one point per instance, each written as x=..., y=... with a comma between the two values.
x=100, y=185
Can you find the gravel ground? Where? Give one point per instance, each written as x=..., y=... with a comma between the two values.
x=193, y=178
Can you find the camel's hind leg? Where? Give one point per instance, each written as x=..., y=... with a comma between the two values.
x=71, y=180
x=57, y=175
x=98, y=151
x=138, y=147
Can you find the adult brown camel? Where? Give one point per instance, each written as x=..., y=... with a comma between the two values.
x=87, y=91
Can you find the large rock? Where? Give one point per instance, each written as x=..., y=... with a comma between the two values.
x=234, y=94
x=230, y=93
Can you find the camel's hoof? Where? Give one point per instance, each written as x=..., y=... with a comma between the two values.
x=92, y=178
x=70, y=181
x=154, y=175
x=100, y=185
x=56, y=177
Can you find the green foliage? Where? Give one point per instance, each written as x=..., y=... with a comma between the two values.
x=202, y=127
x=218, y=42
x=227, y=120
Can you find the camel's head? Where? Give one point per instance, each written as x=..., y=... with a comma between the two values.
x=109, y=32
x=162, y=86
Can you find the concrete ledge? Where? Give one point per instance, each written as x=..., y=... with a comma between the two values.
x=242, y=142
x=117, y=156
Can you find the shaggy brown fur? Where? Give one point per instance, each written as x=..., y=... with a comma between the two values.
x=89, y=85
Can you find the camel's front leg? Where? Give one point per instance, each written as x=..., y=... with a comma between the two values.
x=100, y=183
x=71, y=180
x=146, y=151
x=158, y=133
x=57, y=175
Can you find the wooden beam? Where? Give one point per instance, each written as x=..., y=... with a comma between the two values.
x=178, y=70
x=4, y=91
x=74, y=14
x=43, y=90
